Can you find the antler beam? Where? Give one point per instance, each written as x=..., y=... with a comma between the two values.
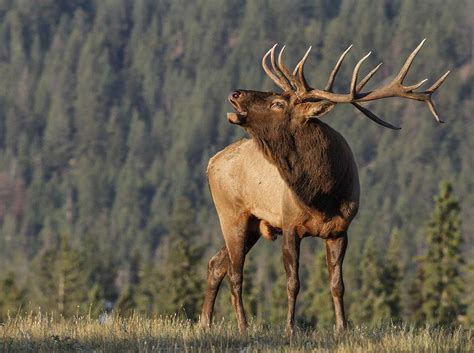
x=296, y=83
x=394, y=89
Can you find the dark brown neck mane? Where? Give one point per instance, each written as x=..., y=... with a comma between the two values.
x=310, y=158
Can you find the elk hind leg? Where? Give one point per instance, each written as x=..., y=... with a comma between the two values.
x=335, y=251
x=240, y=238
x=216, y=271
x=291, y=255
x=238, y=244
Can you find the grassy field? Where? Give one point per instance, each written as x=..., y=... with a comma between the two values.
x=42, y=333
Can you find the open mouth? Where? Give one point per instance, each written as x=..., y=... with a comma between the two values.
x=239, y=117
x=238, y=108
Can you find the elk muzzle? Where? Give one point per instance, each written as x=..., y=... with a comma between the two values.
x=240, y=116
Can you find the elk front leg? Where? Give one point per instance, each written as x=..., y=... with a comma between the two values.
x=335, y=250
x=291, y=256
x=216, y=271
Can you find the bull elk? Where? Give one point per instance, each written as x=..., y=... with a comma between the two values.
x=296, y=176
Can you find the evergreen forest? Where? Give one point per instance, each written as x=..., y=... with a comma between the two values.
x=110, y=111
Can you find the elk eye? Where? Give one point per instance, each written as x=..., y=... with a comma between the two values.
x=277, y=105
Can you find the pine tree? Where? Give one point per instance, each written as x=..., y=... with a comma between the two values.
x=371, y=307
x=132, y=193
x=391, y=276
x=412, y=309
x=181, y=286
x=250, y=292
x=43, y=291
x=95, y=300
x=12, y=297
x=71, y=278
x=60, y=278
x=147, y=294
x=469, y=300
x=442, y=287
x=125, y=304
x=102, y=266
x=379, y=296
x=278, y=293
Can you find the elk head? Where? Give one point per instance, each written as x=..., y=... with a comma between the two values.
x=299, y=102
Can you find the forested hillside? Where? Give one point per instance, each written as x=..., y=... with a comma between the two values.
x=110, y=111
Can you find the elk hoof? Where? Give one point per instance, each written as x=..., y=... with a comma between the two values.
x=289, y=332
x=205, y=323
x=341, y=328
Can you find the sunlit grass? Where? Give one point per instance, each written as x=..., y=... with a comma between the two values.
x=46, y=333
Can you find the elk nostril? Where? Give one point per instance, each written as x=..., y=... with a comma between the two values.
x=236, y=94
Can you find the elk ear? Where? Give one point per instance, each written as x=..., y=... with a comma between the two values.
x=310, y=110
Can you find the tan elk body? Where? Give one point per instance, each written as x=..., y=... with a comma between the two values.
x=254, y=186
x=296, y=176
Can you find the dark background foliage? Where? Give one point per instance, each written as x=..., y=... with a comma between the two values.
x=110, y=110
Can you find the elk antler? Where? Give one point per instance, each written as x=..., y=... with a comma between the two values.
x=284, y=79
x=297, y=84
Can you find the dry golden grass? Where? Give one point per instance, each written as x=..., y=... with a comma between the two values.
x=44, y=333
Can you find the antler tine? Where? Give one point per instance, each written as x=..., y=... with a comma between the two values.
x=433, y=111
x=334, y=71
x=404, y=70
x=299, y=68
x=438, y=83
x=269, y=72
x=355, y=73
x=284, y=80
x=284, y=69
x=374, y=117
x=430, y=91
x=282, y=66
x=367, y=78
x=301, y=87
x=415, y=86
x=302, y=61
